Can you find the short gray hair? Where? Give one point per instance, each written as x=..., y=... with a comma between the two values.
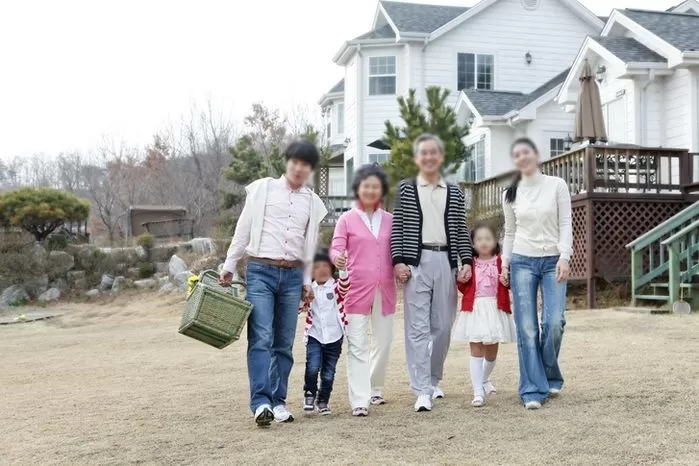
x=427, y=137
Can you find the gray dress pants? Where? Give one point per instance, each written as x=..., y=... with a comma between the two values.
x=429, y=313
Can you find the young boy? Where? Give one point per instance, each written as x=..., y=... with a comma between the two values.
x=324, y=332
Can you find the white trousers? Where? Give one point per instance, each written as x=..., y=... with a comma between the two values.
x=366, y=369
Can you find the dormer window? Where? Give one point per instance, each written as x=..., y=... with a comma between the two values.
x=382, y=75
x=475, y=71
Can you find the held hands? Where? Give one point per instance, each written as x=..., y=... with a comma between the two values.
x=402, y=273
x=341, y=261
x=465, y=274
x=308, y=295
x=505, y=276
x=562, y=270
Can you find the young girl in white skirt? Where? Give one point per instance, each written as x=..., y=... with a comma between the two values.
x=485, y=319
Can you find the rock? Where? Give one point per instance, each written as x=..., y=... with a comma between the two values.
x=106, y=282
x=141, y=253
x=60, y=283
x=181, y=278
x=34, y=286
x=203, y=246
x=14, y=296
x=93, y=293
x=123, y=255
x=205, y=263
x=133, y=272
x=176, y=266
x=163, y=280
x=60, y=262
x=39, y=256
x=148, y=283
x=119, y=284
x=52, y=294
x=162, y=267
x=168, y=288
x=162, y=253
x=5, y=282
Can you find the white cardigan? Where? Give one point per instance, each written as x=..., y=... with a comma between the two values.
x=248, y=230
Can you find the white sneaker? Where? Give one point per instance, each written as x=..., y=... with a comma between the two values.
x=423, y=403
x=478, y=401
x=281, y=414
x=437, y=393
x=553, y=392
x=264, y=415
x=489, y=388
x=532, y=405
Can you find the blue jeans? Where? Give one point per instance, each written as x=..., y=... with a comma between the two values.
x=321, y=358
x=538, y=346
x=274, y=293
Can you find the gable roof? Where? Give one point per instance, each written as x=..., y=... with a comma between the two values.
x=339, y=87
x=384, y=32
x=499, y=103
x=677, y=29
x=417, y=17
x=335, y=92
x=629, y=49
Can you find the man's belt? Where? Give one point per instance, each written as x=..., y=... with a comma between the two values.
x=281, y=263
x=435, y=248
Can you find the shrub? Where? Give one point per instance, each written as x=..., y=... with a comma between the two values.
x=145, y=240
x=325, y=237
x=57, y=242
x=146, y=269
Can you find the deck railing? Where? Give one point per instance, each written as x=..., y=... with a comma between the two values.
x=600, y=169
x=336, y=205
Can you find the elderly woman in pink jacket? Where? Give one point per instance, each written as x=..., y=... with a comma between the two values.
x=362, y=243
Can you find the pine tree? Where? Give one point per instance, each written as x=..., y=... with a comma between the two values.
x=438, y=118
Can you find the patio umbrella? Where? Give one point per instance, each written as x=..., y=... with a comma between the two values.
x=379, y=144
x=589, y=122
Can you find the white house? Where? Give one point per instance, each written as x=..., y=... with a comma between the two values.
x=647, y=64
x=508, y=55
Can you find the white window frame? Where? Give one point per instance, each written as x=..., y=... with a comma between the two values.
x=340, y=119
x=475, y=168
x=557, y=151
x=386, y=74
x=476, y=57
x=379, y=157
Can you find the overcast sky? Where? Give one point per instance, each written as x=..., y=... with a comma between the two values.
x=74, y=70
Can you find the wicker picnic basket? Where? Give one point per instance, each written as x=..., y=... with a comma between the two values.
x=214, y=314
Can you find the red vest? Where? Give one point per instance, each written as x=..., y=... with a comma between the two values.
x=468, y=289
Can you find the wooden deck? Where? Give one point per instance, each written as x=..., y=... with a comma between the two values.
x=618, y=194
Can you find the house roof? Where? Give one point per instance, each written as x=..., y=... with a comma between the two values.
x=629, y=49
x=384, y=32
x=677, y=29
x=339, y=87
x=416, y=17
x=498, y=103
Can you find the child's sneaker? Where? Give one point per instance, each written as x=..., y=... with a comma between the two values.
x=489, y=388
x=323, y=408
x=309, y=402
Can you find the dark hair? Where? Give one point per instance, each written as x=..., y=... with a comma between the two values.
x=322, y=256
x=302, y=150
x=364, y=172
x=485, y=226
x=511, y=191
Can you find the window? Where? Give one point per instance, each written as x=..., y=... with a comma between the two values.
x=475, y=162
x=340, y=118
x=557, y=146
x=475, y=71
x=382, y=75
x=336, y=181
x=378, y=158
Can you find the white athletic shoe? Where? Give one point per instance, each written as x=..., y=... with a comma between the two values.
x=478, y=401
x=554, y=392
x=437, y=393
x=281, y=414
x=423, y=403
x=532, y=405
x=264, y=415
x=489, y=388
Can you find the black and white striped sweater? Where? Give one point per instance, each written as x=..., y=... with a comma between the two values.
x=406, y=232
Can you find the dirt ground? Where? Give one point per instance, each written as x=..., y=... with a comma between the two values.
x=113, y=383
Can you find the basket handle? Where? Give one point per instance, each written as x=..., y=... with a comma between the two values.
x=212, y=275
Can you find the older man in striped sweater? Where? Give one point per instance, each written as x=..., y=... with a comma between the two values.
x=429, y=242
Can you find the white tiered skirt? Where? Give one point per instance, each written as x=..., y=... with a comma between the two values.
x=484, y=324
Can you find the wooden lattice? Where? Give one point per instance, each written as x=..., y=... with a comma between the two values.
x=581, y=247
x=617, y=223
x=322, y=187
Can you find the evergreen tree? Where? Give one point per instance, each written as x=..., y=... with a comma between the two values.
x=438, y=118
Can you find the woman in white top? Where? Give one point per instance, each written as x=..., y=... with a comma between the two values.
x=536, y=250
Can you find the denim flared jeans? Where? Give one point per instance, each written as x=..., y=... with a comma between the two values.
x=538, y=345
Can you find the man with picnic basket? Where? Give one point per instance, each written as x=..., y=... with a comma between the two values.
x=278, y=231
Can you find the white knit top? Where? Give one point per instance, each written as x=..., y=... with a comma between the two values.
x=538, y=223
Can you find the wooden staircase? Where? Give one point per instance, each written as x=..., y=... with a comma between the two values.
x=665, y=261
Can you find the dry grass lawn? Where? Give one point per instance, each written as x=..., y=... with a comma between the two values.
x=113, y=383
